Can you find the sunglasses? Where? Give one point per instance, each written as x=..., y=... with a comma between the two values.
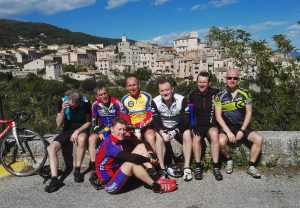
x=232, y=78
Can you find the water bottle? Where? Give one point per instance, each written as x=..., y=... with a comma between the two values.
x=67, y=110
x=106, y=132
x=138, y=133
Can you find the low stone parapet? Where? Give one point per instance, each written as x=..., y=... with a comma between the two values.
x=280, y=148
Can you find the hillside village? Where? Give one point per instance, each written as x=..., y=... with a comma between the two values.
x=184, y=59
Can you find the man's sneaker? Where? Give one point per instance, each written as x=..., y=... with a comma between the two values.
x=95, y=182
x=78, y=177
x=217, y=173
x=198, y=172
x=54, y=185
x=253, y=172
x=229, y=166
x=174, y=171
x=164, y=185
x=187, y=174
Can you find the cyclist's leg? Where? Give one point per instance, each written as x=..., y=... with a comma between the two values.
x=160, y=150
x=187, y=147
x=213, y=135
x=81, y=148
x=53, y=148
x=121, y=177
x=149, y=135
x=93, y=139
x=257, y=141
x=197, y=148
x=223, y=140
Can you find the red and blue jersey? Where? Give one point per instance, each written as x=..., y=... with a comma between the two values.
x=106, y=162
x=105, y=114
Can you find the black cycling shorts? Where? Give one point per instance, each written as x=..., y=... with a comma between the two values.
x=234, y=129
x=202, y=131
x=67, y=146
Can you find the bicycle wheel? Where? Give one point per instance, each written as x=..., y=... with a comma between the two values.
x=28, y=159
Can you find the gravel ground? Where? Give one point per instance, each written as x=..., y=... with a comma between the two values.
x=276, y=189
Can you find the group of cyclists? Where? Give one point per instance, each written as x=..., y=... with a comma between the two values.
x=132, y=137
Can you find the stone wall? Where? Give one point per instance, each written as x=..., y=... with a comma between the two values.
x=281, y=148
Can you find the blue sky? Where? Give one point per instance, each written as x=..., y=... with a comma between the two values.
x=161, y=20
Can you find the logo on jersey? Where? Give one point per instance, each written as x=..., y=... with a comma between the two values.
x=130, y=103
x=240, y=104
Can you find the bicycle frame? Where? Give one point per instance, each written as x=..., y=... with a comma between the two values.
x=11, y=125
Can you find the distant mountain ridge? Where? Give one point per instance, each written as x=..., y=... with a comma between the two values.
x=14, y=33
x=296, y=54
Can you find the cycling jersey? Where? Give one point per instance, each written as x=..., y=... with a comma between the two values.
x=75, y=117
x=111, y=155
x=233, y=108
x=201, y=108
x=169, y=117
x=103, y=115
x=138, y=109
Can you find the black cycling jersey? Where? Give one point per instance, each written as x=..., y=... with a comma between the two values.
x=201, y=108
x=78, y=115
x=233, y=108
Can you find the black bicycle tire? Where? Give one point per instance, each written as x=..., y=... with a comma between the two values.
x=32, y=171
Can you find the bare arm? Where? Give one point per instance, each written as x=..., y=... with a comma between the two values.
x=220, y=120
x=60, y=119
x=60, y=116
x=248, y=117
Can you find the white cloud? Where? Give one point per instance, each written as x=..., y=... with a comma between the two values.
x=54, y=6
x=294, y=31
x=111, y=4
x=199, y=7
x=16, y=7
x=160, y=2
x=167, y=39
x=9, y=8
x=221, y=3
x=214, y=4
x=262, y=26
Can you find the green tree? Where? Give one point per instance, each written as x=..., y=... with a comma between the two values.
x=283, y=44
x=143, y=74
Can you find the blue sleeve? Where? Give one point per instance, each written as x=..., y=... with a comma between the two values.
x=192, y=116
x=113, y=150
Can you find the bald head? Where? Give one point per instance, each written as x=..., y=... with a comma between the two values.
x=233, y=73
x=132, y=79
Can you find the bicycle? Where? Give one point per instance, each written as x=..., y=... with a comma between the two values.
x=23, y=152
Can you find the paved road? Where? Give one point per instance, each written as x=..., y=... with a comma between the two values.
x=236, y=190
